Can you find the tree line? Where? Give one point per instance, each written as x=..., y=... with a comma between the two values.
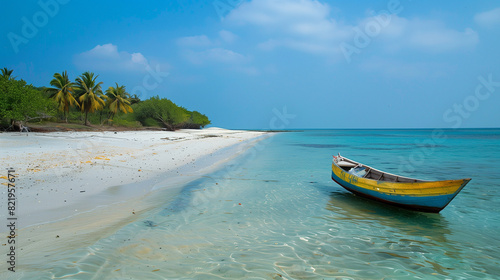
x=84, y=100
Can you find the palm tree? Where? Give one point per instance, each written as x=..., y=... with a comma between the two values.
x=134, y=99
x=62, y=92
x=118, y=100
x=89, y=93
x=6, y=73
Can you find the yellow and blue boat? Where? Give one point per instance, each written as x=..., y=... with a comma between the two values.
x=420, y=195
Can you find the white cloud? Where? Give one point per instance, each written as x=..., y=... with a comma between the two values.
x=218, y=55
x=227, y=36
x=202, y=49
x=201, y=41
x=279, y=12
x=139, y=58
x=303, y=25
x=426, y=35
x=444, y=39
x=106, y=50
x=404, y=69
x=107, y=57
x=250, y=71
x=194, y=41
x=269, y=45
x=307, y=26
x=489, y=18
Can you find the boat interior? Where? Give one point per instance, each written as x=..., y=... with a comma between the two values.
x=370, y=173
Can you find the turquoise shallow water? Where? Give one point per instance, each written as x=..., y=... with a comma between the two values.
x=276, y=214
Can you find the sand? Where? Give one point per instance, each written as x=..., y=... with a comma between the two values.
x=74, y=188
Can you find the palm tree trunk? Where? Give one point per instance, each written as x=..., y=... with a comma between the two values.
x=86, y=113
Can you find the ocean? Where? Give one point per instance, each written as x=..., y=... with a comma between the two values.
x=275, y=213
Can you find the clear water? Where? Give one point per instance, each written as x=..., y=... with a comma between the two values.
x=275, y=213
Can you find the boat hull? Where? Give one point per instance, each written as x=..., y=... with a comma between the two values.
x=420, y=196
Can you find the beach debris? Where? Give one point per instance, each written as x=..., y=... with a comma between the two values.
x=102, y=158
x=239, y=203
x=57, y=236
x=155, y=270
x=210, y=136
x=82, y=191
x=149, y=223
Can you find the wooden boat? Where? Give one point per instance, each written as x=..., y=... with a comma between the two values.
x=420, y=195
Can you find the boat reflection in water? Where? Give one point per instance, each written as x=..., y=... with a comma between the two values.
x=368, y=231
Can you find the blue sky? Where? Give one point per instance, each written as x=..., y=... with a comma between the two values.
x=327, y=64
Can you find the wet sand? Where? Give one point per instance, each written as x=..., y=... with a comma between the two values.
x=74, y=188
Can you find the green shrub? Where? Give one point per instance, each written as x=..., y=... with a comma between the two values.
x=125, y=123
x=150, y=122
x=21, y=102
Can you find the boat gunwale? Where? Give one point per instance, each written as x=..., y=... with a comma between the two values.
x=383, y=172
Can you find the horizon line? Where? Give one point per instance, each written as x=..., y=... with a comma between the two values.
x=396, y=128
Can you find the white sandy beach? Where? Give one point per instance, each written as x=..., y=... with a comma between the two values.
x=85, y=184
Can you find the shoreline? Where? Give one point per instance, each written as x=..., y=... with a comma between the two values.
x=118, y=187
x=104, y=210
x=61, y=172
